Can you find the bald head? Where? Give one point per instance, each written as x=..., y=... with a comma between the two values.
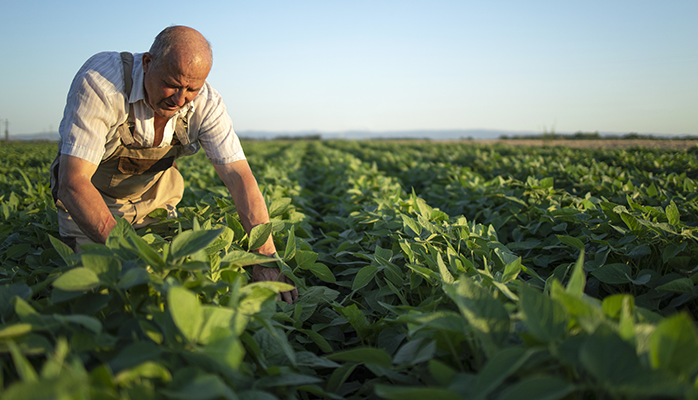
x=175, y=69
x=181, y=45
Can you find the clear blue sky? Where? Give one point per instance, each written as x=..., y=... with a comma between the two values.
x=331, y=66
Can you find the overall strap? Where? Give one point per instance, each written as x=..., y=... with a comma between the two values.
x=182, y=130
x=127, y=62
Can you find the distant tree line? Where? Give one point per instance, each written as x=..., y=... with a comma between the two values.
x=594, y=136
x=284, y=137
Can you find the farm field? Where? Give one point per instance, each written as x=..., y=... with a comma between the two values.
x=458, y=270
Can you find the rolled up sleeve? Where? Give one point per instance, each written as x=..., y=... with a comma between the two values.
x=93, y=107
x=216, y=133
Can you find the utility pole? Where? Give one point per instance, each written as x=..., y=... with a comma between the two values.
x=7, y=134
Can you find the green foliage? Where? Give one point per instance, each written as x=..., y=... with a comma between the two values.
x=452, y=271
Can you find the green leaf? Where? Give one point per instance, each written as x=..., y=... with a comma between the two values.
x=242, y=258
x=255, y=295
x=222, y=242
x=23, y=367
x=186, y=312
x=672, y=214
x=412, y=225
x=680, y=285
x=631, y=222
x=202, y=387
x=259, y=235
x=672, y=250
x=578, y=279
x=363, y=355
x=146, y=253
x=107, y=268
x=364, y=276
x=273, y=286
x=88, y=322
x=148, y=370
x=571, y=241
x=356, y=318
x=323, y=272
x=415, y=351
x=511, y=271
x=273, y=342
x=215, y=317
x=441, y=372
x=7, y=292
x=122, y=229
x=539, y=388
x=486, y=315
x=319, y=340
x=339, y=376
x=652, y=191
x=133, y=277
x=190, y=242
x=446, y=276
x=305, y=259
x=674, y=347
x=12, y=331
x=613, y=304
x=285, y=379
x=63, y=250
x=609, y=358
x=226, y=348
x=415, y=393
x=613, y=274
x=234, y=224
x=290, y=250
x=279, y=206
x=78, y=279
x=498, y=368
x=545, y=318
x=384, y=255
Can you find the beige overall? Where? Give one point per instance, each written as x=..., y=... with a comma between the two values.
x=133, y=181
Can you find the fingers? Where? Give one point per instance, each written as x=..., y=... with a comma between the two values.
x=287, y=297
x=260, y=273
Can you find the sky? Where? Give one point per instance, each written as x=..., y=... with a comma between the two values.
x=333, y=66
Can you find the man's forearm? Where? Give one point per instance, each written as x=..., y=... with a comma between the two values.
x=248, y=200
x=252, y=210
x=82, y=200
x=88, y=210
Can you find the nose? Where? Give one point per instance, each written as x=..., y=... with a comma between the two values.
x=179, y=98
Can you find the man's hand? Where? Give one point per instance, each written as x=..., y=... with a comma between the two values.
x=260, y=273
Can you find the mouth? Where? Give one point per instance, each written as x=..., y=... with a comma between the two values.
x=170, y=106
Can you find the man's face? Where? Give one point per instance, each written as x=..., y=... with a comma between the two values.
x=171, y=84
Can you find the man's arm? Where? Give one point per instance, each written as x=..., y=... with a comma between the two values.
x=252, y=210
x=82, y=199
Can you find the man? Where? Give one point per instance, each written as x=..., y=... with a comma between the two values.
x=127, y=118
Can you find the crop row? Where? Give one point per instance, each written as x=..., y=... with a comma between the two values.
x=455, y=271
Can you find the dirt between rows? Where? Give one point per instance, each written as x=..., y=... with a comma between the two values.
x=666, y=144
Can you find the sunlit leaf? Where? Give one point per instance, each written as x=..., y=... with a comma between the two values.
x=78, y=279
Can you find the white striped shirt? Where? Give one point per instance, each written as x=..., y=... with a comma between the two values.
x=97, y=105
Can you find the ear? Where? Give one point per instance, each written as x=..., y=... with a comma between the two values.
x=147, y=60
